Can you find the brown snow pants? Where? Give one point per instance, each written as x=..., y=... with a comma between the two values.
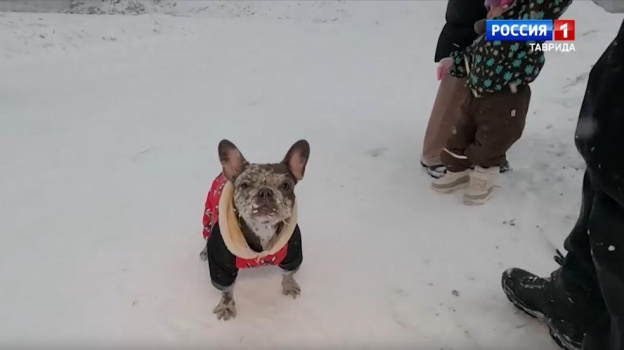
x=488, y=126
x=446, y=110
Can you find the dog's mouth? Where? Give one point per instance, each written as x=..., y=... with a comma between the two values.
x=268, y=212
x=265, y=210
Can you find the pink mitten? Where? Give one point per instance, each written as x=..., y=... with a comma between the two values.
x=492, y=3
x=495, y=3
x=444, y=67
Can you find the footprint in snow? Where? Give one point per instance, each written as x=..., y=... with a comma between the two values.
x=139, y=156
x=376, y=152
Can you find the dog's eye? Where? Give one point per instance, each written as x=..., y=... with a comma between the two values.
x=244, y=185
x=285, y=186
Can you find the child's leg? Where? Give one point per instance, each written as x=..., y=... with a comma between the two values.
x=500, y=120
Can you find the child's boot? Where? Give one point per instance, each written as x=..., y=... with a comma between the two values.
x=482, y=181
x=451, y=181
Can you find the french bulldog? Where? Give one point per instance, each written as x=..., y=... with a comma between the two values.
x=250, y=220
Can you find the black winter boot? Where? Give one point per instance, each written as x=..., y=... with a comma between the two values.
x=435, y=171
x=539, y=298
x=505, y=167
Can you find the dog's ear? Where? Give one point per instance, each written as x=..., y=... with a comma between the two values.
x=231, y=159
x=297, y=158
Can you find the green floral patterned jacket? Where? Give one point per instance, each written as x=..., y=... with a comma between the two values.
x=492, y=66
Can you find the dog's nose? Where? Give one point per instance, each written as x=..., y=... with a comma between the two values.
x=265, y=193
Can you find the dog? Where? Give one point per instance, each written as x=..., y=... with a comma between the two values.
x=250, y=220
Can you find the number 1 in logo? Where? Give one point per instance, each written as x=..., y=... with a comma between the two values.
x=564, y=30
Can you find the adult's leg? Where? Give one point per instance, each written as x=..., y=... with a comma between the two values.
x=457, y=164
x=592, y=275
x=444, y=115
x=462, y=136
x=569, y=301
x=599, y=140
x=606, y=233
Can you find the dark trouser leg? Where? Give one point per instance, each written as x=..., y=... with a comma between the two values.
x=570, y=302
x=587, y=292
x=599, y=140
x=606, y=234
x=463, y=134
x=592, y=275
x=500, y=120
x=577, y=279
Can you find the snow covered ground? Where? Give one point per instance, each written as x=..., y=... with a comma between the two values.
x=108, y=134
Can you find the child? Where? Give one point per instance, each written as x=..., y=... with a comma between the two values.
x=493, y=113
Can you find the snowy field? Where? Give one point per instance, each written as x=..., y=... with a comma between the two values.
x=108, y=135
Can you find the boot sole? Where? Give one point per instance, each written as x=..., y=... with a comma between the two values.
x=460, y=184
x=563, y=343
x=475, y=200
x=450, y=190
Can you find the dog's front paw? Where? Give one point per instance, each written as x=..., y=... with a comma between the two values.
x=226, y=309
x=204, y=254
x=290, y=287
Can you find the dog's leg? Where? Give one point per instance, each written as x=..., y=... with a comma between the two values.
x=226, y=308
x=289, y=285
x=204, y=254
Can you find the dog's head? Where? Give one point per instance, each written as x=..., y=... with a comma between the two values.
x=264, y=193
